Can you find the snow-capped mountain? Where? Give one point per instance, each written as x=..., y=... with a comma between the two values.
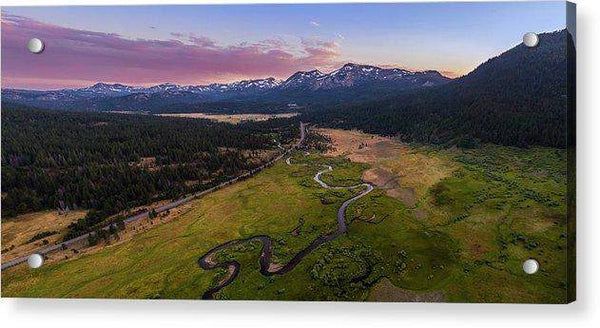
x=108, y=89
x=106, y=96
x=165, y=87
x=302, y=79
x=247, y=85
x=351, y=75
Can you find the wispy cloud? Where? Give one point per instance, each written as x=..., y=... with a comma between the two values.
x=315, y=23
x=319, y=50
x=79, y=57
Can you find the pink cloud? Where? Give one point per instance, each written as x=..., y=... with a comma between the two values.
x=320, y=52
x=75, y=57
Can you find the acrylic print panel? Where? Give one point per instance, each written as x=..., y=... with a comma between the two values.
x=340, y=152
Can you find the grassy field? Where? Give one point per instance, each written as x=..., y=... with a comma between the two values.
x=24, y=233
x=505, y=205
x=231, y=118
x=475, y=217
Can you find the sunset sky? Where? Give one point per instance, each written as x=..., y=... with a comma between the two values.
x=205, y=44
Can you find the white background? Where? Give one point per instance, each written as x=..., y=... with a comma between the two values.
x=583, y=313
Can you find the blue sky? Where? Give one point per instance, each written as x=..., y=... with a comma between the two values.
x=450, y=37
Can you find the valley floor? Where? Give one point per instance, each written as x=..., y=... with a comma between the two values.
x=230, y=118
x=441, y=225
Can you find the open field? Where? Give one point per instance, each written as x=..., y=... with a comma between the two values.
x=240, y=210
x=501, y=205
x=400, y=170
x=83, y=248
x=27, y=232
x=477, y=214
x=231, y=118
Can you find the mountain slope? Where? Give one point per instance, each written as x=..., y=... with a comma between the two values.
x=517, y=98
x=352, y=75
x=302, y=87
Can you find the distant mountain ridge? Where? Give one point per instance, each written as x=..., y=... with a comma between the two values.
x=351, y=75
x=104, y=96
x=517, y=98
x=521, y=97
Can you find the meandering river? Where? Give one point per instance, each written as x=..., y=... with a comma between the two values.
x=208, y=262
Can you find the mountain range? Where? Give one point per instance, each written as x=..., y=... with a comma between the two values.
x=523, y=97
x=300, y=87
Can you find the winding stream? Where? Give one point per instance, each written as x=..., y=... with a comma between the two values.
x=207, y=262
x=166, y=207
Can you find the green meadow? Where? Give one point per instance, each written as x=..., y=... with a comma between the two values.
x=500, y=207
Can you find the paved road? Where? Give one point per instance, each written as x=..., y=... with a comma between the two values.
x=168, y=206
x=207, y=262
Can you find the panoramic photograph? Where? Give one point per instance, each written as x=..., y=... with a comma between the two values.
x=416, y=152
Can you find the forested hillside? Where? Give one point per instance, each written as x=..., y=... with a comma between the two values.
x=517, y=98
x=110, y=162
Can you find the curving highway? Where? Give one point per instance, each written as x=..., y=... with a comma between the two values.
x=207, y=261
